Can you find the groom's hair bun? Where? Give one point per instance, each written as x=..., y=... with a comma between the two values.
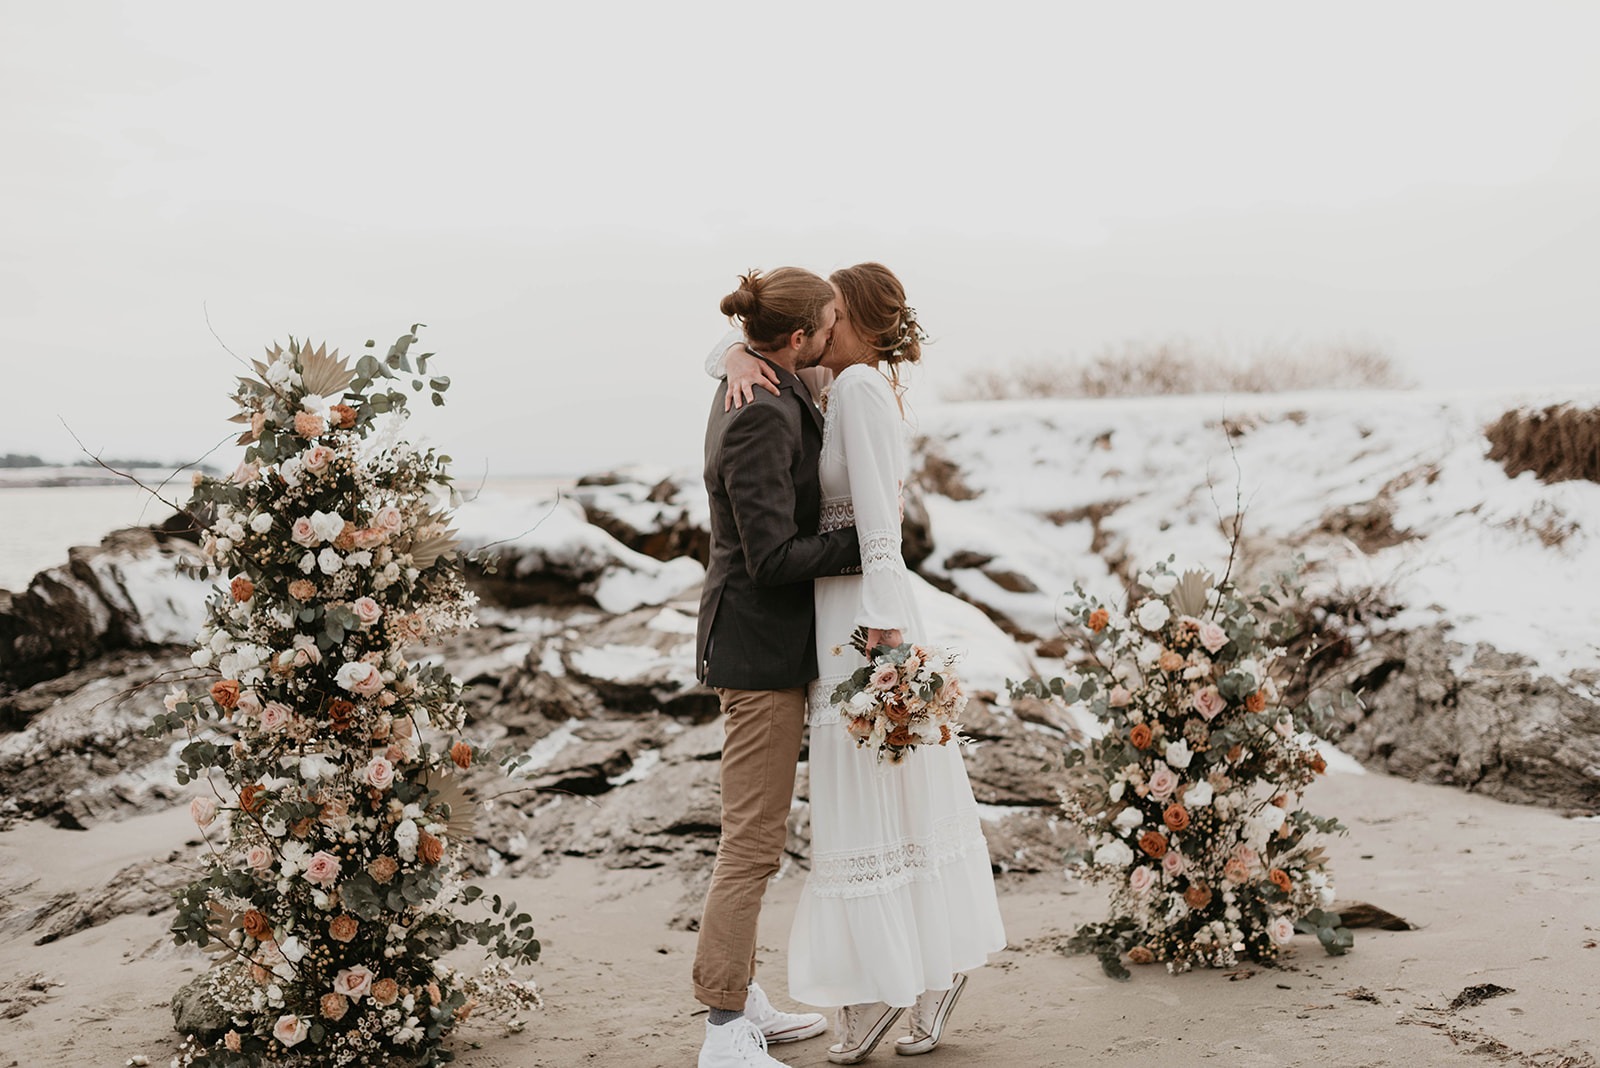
x=773, y=306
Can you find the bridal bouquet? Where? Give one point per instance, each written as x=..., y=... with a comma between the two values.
x=901, y=698
x=1191, y=800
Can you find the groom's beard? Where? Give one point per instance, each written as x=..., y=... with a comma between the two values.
x=804, y=362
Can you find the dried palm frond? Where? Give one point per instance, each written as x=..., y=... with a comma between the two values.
x=432, y=540
x=462, y=825
x=1191, y=591
x=323, y=372
x=220, y=922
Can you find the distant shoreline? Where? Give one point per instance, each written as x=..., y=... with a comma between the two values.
x=71, y=477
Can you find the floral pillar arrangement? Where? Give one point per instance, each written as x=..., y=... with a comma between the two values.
x=332, y=889
x=1190, y=800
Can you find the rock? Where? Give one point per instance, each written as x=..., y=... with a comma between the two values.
x=195, y=1012
x=124, y=593
x=1494, y=726
x=145, y=887
x=660, y=514
x=19, y=993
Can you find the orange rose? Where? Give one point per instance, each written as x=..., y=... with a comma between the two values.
x=308, y=425
x=242, y=589
x=302, y=589
x=429, y=848
x=250, y=798
x=1170, y=661
x=382, y=869
x=1176, y=817
x=301, y=828
x=1139, y=735
x=1141, y=955
x=343, y=927
x=225, y=692
x=1098, y=620
x=944, y=733
x=344, y=416
x=1154, y=844
x=1256, y=702
x=900, y=736
x=1318, y=765
x=339, y=712
x=461, y=754
x=1281, y=880
x=256, y=925
x=1197, y=896
x=334, y=1006
x=385, y=991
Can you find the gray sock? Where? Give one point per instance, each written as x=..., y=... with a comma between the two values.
x=725, y=1016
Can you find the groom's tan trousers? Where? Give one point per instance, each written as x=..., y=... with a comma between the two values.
x=761, y=746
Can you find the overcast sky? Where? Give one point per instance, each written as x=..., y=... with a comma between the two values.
x=563, y=192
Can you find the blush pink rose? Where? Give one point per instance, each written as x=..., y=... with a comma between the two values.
x=322, y=868
x=380, y=773
x=290, y=1030
x=258, y=858
x=1141, y=879
x=203, y=811
x=275, y=716
x=366, y=610
x=360, y=677
x=302, y=532
x=249, y=704
x=1174, y=863
x=885, y=677
x=1209, y=702
x=1162, y=782
x=388, y=519
x=353, y=982
x=317, y=458
x=245, y=474
x=1281, y=930
x=1212, y=636
x=1119, y=697
x=367, y=538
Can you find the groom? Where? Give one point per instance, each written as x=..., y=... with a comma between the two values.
x=756, y=641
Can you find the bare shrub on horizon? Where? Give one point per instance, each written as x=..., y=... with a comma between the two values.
x=1144, y=369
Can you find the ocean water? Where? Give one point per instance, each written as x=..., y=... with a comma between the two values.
x=39, y=524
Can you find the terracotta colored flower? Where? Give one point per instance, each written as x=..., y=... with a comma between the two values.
x=433, y=993
x=466, y=1009
x=1235, y=753
x=409, y=627
x=343, y=927
x=385, y=991
x=1139, y=735
x=260, y=974
x=308, y=425
x=1170, y=661
x=1281, y=880
x=233, y=1041
x=1197, y=896
x=1098, y=619
x=1154, y=844
x=346, y=539
x=334, y=1006
x=302, y=589
x=250, y=798
x=256, y=925
x=339, y=713
x=225, y=692
x=1318, y=765
x=242, y=589
x=333, y=811
x=1141, y=955
x=343, y=416
x=430, y=850
x=1256, y=702
x=461, y=754
x=1176, y=817
x=382, y=869
x=1236, y=871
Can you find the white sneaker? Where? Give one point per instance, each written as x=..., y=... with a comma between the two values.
x=780, y=1026
x=739, y=1044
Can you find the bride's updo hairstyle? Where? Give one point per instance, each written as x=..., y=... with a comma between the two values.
x=773, y=306
x=875, y=302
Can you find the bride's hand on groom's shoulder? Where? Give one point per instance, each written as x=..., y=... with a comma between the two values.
x=745, y=373
x=891, y=638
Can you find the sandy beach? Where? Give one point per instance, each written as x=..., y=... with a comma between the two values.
x=1501, y=894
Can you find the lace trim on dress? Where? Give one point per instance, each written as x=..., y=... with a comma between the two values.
x=887, y=867
x=821, y=709
x=837, y=513
x=880, y=551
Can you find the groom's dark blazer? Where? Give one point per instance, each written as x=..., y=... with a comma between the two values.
x=757, y=620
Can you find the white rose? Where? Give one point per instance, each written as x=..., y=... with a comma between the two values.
x=1163, y=584
x=1128, y=819
x=359, y=558
x=1281, y=930
x=200, y=658
x=308, y=563
x=1117, y=788
x=291, y=949
x=1178, y=754
x=1153, y=615
x=1141, y=879
x=290, y=1029
x=1114, y=853
x=261, y=523
x=1199, y=795
x=316, y=767
x=328, y=525
x=291, y=471
x=329, y=561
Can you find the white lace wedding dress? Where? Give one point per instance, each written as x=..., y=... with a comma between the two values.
x=900, y=896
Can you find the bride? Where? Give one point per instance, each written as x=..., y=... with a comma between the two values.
x=900, y=901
